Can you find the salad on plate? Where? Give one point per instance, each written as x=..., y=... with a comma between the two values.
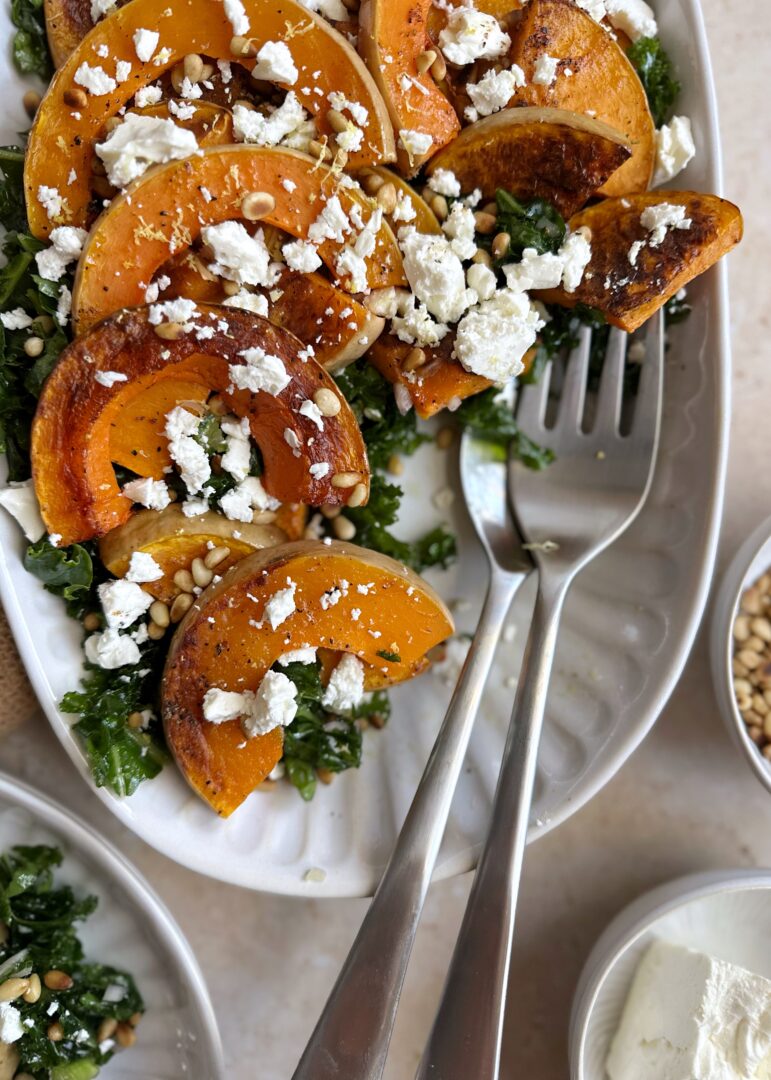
x=253, y=249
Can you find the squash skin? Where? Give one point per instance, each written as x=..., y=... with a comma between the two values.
x=398, y=28
x=229, y=653
x=136, y=234
x=73, y=475
x=636, y=292
x=59, y=141
x=535, y=153
x=603, y=80
x=67, y=23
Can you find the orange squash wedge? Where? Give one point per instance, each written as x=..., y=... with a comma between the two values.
x=535, y=153
x=627, y=282
x=71, y=458
x=63, y=137
x=392, y=34
x=218, y=645
x=164, y=212
x=603, y=83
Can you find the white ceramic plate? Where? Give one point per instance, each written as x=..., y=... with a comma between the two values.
x=726, y=914
x=628, y=627
x=130, y=929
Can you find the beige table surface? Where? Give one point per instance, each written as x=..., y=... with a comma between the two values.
x=684, y=802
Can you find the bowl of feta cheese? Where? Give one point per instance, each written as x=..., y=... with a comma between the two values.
x=679, y=985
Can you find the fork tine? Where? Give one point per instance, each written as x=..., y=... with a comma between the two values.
x=573, y=396
x=611, y=390
x=647, y=410
x=531, y=404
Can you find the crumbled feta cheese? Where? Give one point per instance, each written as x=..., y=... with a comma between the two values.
x=482, y=280
x=11, y=1027
x=18, y=319
x=472, y=35
x=21, y=502
x=288, y=185
x=415, y=326
x=405, y=207
x=237, y=458
x=435, y=274
x=675, y=148
x=145, y=44
x=143, y=567
x=331, y=224
x=235, y=13
x=595, y=8
x=110, y=378
x=100, y=8
x=148, y=95
x=239, y=256
x=122, y=71
x=111, y=649
x=240, y=503
x=319, y=469
x=189, y=456
x=634, y=18
x=444, y=182
x=342, y=104
x=64, y=306
x=66, y=246
x=123, y=602
x=545, y=70
x=274, y=63
x=659, y=218
x=95, y=80
x=576, y=254
x=274, y=705
x=310, y=410
x=634, y=251
x=549, y=270
x=345, y=688
x=260, y=371
x=51, y=201
x=179, y=310
x=333, y=10
x=280, y=606
x=154, y=494
x=493, y=92
x=416, y=144
x=301, y=256
x=226, y=71
x=141, y=141
x=460, y=226
x=283, y=125
x=492, y=338
x=306, y=655
x=182, y=110
x=221, y=706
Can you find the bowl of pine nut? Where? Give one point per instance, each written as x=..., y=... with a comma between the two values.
x=740, y=649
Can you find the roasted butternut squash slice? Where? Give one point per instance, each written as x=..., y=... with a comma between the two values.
x=218, y=645
x=73, y=474
x=136, y=436
x=164, y=212
x=535, y=153
x=440, y=383
x=174, y=541
x=603, y=83
x=425, y=220
x=63, y=138
x=633, y=272
x=392, y=35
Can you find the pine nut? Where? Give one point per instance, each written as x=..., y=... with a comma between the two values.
x=482, y=257
x=202, y=575
x=102, y=187
x=377, y=721
x=320, y=150
x=135, y=1018
x=766, y=751
x=257, y=205
x=738, y=669
x=135, y=720
x=76, y=99
x=92, y=621
x=330, y=512
x=372, y=183
x=125, y=1035
x=485, y=223
x=180, y=607
x=230, y=288
x=386, y=198
x=34, y=346
x=425, y=60
x=215, y=557
x=500, y=245
x=58, y=980
x=445, y=437
x=759, y=705
x=34, y=989
x=755, y=644
x=415, y=358
x=343, y=528
x=337, y=121
x=113, y=123
x=155, y=631
x=439, y=69
x=169, y=331
x=241, y=46
x=345, y=479
x=358, y=495
x=183, y=579
x=749, y=659
x=106, y=1029
x=440, y=206
x=326, y=776
x=395, y=465
x=159, y=613
x=192, y=66
x=761, y=628
x=264, y=517
x=207, y=70
x=742, y=628
x=13, y=988
x=31, y=102
x=55, y=1032
x=327, y=401
x=177, y=77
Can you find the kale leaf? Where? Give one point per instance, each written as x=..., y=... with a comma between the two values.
x=535, y=224
x=386, y=431
x=657, y=75
x=30, y=44
x=490, y=417
x=66, y=572
x=13, y=212
x=41, y=918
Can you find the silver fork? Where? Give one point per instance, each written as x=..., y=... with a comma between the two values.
x=350, y=1041
x=567, y=515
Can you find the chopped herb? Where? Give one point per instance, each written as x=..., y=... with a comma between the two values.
x=30, y=44
x=386, y=431
x=657, y=75
x=41, y=918
x=391, y=657
x=535, y=224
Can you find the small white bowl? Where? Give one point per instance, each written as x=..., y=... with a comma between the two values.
x=726, y=914
x=751, y=561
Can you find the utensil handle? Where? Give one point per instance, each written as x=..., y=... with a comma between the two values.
x=352, y=1036
x=465, y=1041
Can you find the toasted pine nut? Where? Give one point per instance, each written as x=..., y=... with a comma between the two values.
x=34, y=989
x=241, y=46
x=215, y=557
x=257, y=205
x=180, y=607
x=395, y=465
x=415, y=358
x=440, y=206
x=75, y=98
x=500, y=245
x=439, y=68
x=13, y=988
x=318, y=148
x=159, y=613
x=386, y=198
x=264, y=517
x=327, y=401
x=125, y=1035
x=58, y=980
x=485, y=223
x=345, y=479
x=343, y=528
x=55, y=1032
x=445, y=437
x=34, y=346
x=482, y=257
x=202, y=575
x=326, y=776
x=331, y=512
x=192, y=66
x=135, y=1018
x=169, y=331
x=183, y=579
x=177, y=77
x=92, y=621
x=155, y=631
x=372, y=183
x=135, y=720
x=31, y=102
x=358, y=495
x=425, y=60
x=337, y=121
x=106, y=1029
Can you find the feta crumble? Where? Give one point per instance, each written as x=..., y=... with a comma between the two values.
x=288, y=125
x=51, y=201
x=189, y=456
x=301, y=256
x=658, y=219
x=435, y=274
x=280, y=606
x=345, y=688
x=260, y=371
x=675, y=148
x=416, y=144
x=11, y=1028
x=306, y=655
x=444, y=182
x=145, y=44
x=141, y=141
x=94, y=79
x=110, y=649
x=110, y=378
x=472, y=35
x=18, y=319
x=545, y=70
x=248, y=301
x=492, y=339
x=274, y=63
x=66, y=246
x=142, y=568
x=634, y=18
x=493, y=92
x=239, y=256
x=154, y=494
x=274, y=705
x=21, y=503
x=123, y=602
x=235, y=13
